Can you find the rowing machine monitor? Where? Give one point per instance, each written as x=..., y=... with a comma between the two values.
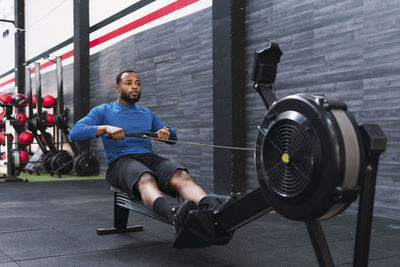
x=264, y=71
x=266, y=63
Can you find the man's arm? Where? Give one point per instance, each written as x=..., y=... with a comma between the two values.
x=91, y=127
x=116, y=132
x=87, y=127
x=163, y=130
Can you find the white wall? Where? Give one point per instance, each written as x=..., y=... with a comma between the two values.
x=48, y=23
x=101, y=9
x=7, y=60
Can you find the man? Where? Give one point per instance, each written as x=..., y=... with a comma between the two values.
x=132, y=166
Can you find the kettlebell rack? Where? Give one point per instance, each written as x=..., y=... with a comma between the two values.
x=56, y=160
x=11, y=161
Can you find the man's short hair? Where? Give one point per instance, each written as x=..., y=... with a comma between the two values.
x=118, y=77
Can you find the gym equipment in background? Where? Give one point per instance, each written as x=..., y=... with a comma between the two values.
x=53, y=160
x=11, y=161
x=83, y=163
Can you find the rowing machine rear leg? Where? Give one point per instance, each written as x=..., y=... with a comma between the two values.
x=121, y=216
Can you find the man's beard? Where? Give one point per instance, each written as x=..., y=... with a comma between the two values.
x=128, y=99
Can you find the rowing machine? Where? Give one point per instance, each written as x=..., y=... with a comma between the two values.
x=312, y=161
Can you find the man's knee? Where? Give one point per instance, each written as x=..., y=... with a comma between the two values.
x=179, y=178
x=145, y=180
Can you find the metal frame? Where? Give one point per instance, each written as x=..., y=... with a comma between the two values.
x=228, y=20
x=81, y=63
x=122, y=205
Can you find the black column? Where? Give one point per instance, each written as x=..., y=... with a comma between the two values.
x=19, y=23
x=228, y=94
x=81, y=62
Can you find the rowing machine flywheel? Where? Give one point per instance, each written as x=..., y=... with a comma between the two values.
x=308, y=153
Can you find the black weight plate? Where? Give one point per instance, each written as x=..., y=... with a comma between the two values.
x=47, y=161
x=16, y=163
x=61, y=162
x=86, y=165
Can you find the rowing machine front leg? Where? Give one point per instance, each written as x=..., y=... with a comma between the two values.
x=121, y=216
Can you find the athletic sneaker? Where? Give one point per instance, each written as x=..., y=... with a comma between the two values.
x=180, y=214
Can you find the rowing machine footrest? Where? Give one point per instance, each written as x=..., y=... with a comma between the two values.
x=198, y=231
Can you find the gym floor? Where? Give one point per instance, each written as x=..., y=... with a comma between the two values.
x=54, y=224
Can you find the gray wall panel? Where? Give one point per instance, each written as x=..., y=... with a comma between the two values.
x=346, y=49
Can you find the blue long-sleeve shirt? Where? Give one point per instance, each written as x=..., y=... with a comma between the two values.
x=130, y=118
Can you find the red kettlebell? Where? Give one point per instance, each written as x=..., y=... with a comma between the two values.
x=24, y=156
x=3, y=137
x=5, y=99
x=21, y=117
x=26, y=138
x=48, y=101
x=3, y=155
x=50, y=120
x=19, y=100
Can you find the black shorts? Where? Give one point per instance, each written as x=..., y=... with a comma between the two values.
x=124, y=172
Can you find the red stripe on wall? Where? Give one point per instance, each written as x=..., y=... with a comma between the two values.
x=7, y=82
x=142, y=21
x=124, y=29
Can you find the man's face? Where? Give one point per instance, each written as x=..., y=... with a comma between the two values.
x=129, y=88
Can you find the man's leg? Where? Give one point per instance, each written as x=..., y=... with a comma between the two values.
x=148, y=189
x=188, y=189
x=152, y=197
x=182, y=183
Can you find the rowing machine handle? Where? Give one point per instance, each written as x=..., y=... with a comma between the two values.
x=136, y=134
